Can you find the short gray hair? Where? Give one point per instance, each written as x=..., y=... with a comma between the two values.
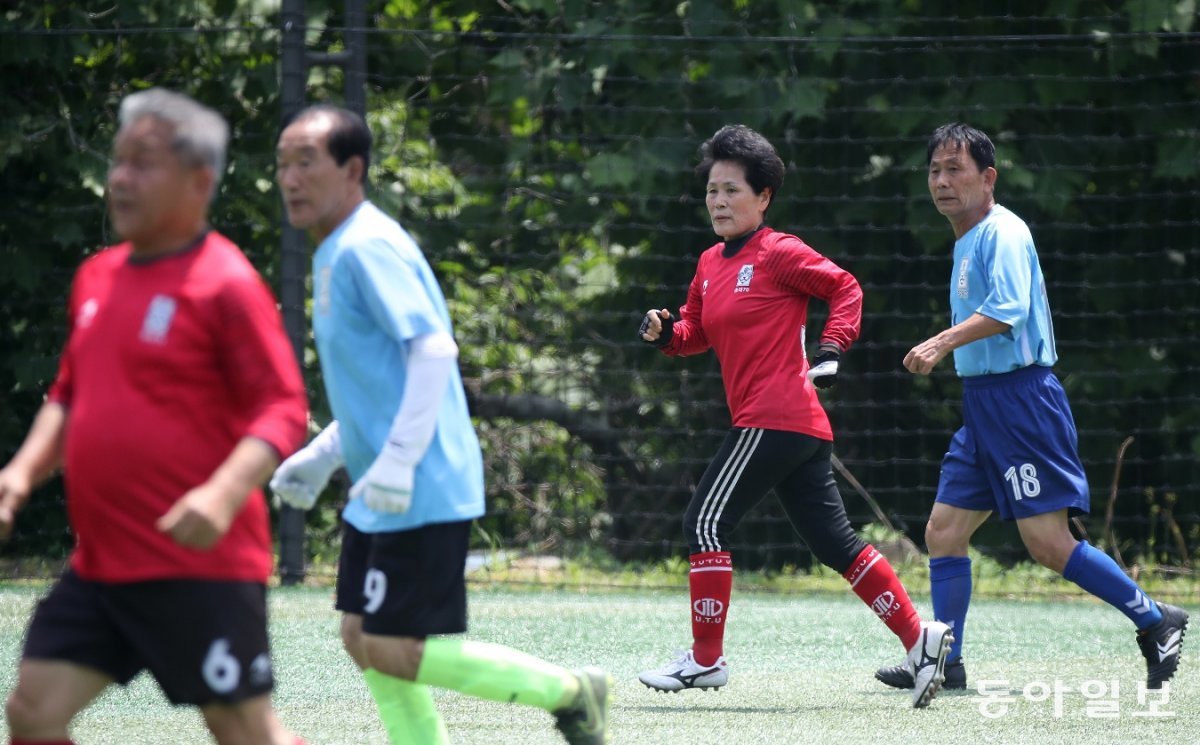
x=201, y=134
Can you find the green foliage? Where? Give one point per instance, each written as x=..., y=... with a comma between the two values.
x=64, y=86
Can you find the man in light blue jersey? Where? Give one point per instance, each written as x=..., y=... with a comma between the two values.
x=403, y=433
x=1017, y=451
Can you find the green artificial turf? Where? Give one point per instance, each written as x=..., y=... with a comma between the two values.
x=801, y=672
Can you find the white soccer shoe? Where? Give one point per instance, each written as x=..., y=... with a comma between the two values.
x=683, y=672
x=927, y=661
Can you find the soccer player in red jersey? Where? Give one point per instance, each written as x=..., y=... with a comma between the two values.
x=749, y=302
x=177, y=394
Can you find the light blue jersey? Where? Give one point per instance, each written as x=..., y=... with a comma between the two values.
x=997, y=274
x=373, y=291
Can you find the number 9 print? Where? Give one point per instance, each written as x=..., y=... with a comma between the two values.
x=375, y=589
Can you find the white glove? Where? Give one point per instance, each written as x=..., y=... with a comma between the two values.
x=387, y=486
x=824, y=372
x=301, y=478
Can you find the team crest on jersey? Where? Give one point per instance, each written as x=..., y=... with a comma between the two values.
x=745, y=274
x=87, y=313
x=157, y=322
x=323, y=290
x=961, y=284
x=704, y=288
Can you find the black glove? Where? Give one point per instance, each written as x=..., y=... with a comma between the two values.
x=823, y=370
x=668, y=329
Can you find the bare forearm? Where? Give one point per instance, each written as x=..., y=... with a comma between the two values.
x=973, y=329
x=42, y=452
x=922, y=358
x=203, y=515
x=248, y=467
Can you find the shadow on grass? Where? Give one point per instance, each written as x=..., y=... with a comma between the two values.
x=677, y=710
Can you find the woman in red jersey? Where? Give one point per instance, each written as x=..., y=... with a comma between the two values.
x=781, y=438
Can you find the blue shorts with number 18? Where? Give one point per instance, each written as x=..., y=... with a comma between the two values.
x=1017, y=452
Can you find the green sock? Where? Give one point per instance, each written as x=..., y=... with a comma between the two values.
x=495, y=673
x=406, y=709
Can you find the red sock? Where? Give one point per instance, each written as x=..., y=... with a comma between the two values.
x=711, y=581
x=872, y=579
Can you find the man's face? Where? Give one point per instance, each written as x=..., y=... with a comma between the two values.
x=958, y=187
x=314, y=186
x=151, y=191
x=733, y=206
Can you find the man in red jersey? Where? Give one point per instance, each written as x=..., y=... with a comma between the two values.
x=177, y=395
x=781, y=438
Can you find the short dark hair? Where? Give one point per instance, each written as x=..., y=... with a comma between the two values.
x=982, y=151
x=740, y=144
x=349, y=137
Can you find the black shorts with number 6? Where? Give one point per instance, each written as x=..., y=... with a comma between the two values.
x=204, y=641
x=408, y=582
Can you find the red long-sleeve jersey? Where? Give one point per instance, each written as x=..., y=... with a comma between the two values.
x=751, y=309
x=168, y=365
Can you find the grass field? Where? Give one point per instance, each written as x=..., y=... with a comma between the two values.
x=801, y=673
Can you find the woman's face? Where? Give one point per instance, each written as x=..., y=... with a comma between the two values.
x=733, y=206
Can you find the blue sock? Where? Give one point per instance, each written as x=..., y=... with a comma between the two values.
x=1096, y=572
x=950, y=586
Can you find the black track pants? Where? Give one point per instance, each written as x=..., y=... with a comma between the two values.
x=752, y=462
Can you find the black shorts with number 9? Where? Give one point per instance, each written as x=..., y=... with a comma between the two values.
x=204, y=641
x=408, y=582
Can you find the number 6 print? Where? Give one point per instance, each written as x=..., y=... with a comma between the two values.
x=221, y=669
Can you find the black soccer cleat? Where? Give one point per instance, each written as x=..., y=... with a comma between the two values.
x=1162, y=644
x=900, y=677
